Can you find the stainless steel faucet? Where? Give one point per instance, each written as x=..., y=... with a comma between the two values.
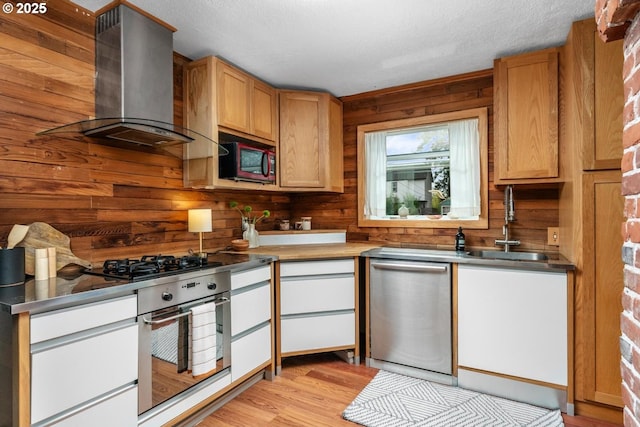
x=509, y=216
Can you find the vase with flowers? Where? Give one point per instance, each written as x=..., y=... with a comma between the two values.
x=250, y=233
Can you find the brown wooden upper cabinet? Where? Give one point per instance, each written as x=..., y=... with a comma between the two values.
x=245, y=104
x=310, y=155
x=597, y=77
x=220, y=99
x=526, y=118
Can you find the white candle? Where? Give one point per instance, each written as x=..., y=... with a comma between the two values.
x=41, y=264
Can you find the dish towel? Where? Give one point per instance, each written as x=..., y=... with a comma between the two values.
x=203, y=339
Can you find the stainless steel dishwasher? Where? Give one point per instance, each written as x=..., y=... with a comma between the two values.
x=410, y=316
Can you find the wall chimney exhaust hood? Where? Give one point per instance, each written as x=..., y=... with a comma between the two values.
x=134, y=84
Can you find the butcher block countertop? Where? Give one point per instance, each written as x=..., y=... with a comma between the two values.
x=313, y=251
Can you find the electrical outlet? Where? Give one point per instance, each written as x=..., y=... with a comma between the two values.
x=553, y=236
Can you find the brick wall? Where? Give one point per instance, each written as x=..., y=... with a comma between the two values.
x=617, y=19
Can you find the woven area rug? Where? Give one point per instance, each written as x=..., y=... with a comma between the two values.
x=394, y=400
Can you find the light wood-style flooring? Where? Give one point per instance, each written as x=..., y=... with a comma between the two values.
x=312, y=391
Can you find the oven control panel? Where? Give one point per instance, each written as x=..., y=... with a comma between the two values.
x=180, y=289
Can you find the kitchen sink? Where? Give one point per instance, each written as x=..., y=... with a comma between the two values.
x=515, y=256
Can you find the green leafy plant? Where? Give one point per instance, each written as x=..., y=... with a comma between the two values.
x=246, y=210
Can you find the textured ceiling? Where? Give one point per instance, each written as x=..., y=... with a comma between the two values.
x=353, y=46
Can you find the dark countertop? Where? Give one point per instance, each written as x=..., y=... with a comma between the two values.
x=71, y=288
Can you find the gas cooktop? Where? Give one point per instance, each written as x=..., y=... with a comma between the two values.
x=153, y=266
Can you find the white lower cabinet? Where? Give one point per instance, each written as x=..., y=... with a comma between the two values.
x=513, y=333
x=88, y=369
x=251, y=326
x=317, y=301
x=513, y=322
x=250, y=350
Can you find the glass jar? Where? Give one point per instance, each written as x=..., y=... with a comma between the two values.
x=306, y=222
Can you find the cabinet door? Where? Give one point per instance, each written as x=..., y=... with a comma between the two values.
x=233, y=98
x=67, y=374
x=264, y=113
x=526, y=117
x=513, y=322
x=118, y=410
x=309, y=295
x=250, y=308
x=608, y=105
x=250, y=351
x=54, y=324
x=598, y=311
x=303, y=138
x=327, y=331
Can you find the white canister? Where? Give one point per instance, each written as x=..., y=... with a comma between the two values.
x=306, y=222
x=41, y=264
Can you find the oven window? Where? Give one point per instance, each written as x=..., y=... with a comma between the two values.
x=170, y=357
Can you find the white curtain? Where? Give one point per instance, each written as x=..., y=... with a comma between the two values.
x=375, y=203
x=464, y=168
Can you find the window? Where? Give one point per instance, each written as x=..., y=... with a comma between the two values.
x=434, y=166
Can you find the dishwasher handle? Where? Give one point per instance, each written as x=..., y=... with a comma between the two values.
x=411, y=267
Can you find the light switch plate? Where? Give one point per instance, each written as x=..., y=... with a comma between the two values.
x=553, y=236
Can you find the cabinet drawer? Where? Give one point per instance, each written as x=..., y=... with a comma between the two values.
x=317, y=332
x=317, y=294
x=249, y=277
x=311, y=268
x=73, y=373
x=118, y=410
x=58, y=323
x=250, y=308
x=250, y=351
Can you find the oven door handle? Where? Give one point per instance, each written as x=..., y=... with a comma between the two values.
x=222, y=300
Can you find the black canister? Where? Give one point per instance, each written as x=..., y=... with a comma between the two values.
x=460, y=240
x=12, y=266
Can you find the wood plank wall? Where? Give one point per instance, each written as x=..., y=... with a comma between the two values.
x=536, y=209
x=112, y=202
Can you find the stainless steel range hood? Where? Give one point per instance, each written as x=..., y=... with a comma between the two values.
x=134, y=84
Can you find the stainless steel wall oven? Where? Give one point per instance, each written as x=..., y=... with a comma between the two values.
x=169, y=333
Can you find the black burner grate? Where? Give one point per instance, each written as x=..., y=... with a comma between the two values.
x=153, y=265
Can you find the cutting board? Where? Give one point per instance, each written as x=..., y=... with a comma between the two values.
x=43, y=235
